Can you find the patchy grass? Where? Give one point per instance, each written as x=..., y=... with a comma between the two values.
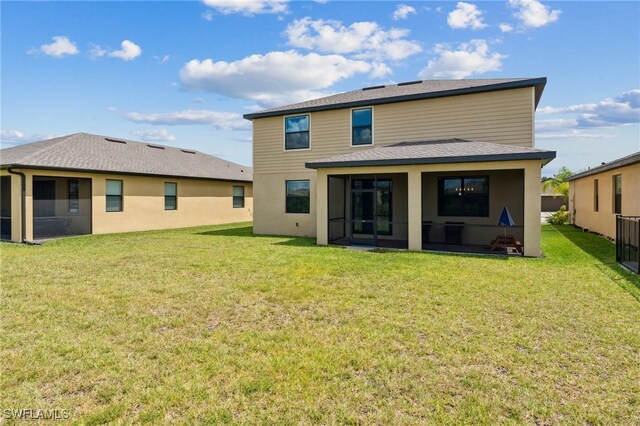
x=215, y=325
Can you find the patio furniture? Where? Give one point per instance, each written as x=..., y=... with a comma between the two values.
x=507, y=242
x=453, y=232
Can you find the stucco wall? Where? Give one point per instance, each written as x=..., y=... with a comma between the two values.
x=603, y=221
x=200, y=202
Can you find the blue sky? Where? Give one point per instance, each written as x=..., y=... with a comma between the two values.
x=183, y=73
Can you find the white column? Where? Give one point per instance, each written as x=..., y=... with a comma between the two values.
x=532, y=201
x=322, y=208
x=414, y=195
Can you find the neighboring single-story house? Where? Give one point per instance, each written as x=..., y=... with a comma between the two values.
x=597, y=195
x=89, y=184
x=420, y=165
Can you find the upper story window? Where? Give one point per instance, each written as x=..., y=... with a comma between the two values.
x=362, y=126
x=296, y=132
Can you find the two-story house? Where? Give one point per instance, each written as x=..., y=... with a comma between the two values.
x=418, y=165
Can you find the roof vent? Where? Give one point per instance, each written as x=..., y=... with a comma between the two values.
x=409, y=83
x=115, y=140
x=374, y=87
x=156, y=146
x=186, y=151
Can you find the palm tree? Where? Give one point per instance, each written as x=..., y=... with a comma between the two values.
x=558, y=183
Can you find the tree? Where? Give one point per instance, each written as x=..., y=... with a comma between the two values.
x=558, y=183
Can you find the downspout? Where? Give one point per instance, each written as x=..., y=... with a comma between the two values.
x=23, y=203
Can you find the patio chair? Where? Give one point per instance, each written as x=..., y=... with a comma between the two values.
x=453, y=232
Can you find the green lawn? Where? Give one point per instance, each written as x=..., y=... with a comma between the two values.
x=214, y=325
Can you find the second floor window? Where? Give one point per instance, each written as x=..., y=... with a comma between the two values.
x=362, y=126
x=170, y=196
x=296, y=132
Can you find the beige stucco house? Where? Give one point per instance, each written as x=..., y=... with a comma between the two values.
x=597, y=195
x=418, y=165
x=89, y=184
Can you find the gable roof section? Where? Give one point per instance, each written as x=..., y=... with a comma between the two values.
x=409, y=91
x=103, y=154
x=433, y=152
x=620, y=162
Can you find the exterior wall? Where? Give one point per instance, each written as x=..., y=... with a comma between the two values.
x=581, y=199
x=499, y=117
x=529, y=186
x=200, y=202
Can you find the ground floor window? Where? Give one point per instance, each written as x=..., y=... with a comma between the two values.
x=74, y=196
x=298, y=196
x=170, y=196
x=617, y=194
x=463, y=196
x=238, y=197
x=114, y=195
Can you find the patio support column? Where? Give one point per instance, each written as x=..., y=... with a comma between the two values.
x=532, y=201
x=322, y=208
x=16, y=208
x=414, y=195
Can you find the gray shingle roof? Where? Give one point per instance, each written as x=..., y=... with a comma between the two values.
x=433, y=152
x=620, y=162
x=404, y=92
x=87, y=152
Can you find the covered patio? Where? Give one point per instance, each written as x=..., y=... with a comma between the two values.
x=445, y=195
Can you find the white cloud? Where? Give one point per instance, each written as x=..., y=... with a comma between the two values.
x=474, y=57
x=573, y=134
x=403, y=11
x=207, y=15
x=60, y=47
x=248, y=7
x=198, y=100
x=128, y=51
x=610, y=112
x=9, y=138
x=154, y=135
x=466, y=15
x=219, y=120
x=534, y=14
x=162, y=59
x=506, y=28
x=97, y=51
x=362, y=39
x=274, y=78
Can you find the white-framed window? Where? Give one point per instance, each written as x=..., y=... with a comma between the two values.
x=296, y=132
x=362, y=126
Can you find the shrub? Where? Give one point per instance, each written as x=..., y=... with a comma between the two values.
x=561, y=217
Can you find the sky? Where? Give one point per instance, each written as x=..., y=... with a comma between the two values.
x=184, y=73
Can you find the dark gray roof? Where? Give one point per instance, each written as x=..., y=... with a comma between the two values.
x=433, y=152
x=400, y=92
x=620, y=162
x=87, y=152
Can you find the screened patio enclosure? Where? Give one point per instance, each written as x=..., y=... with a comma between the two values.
x=368, y=210
x=61, y=207
x=459, y=210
